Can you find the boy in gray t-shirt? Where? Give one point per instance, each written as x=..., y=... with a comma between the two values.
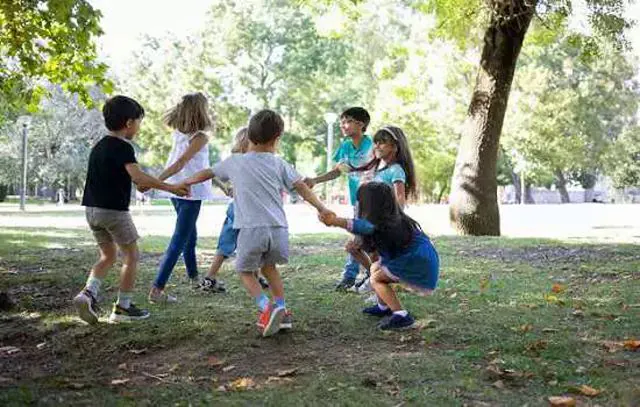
x=258, y=177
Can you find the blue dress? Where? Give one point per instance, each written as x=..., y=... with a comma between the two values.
x=416, y=265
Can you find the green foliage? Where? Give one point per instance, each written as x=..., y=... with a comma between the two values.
x=51, y=40
x=624, y=159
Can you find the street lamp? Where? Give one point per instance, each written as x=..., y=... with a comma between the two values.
x=329, y=118
x=26, y=121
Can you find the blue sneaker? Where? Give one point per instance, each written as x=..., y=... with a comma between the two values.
x=397, y=322
x=376, y=311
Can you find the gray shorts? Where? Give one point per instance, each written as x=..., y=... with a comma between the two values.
x=109, y=225
x=262, y=246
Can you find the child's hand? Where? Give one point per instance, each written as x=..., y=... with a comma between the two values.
x=142, y=190
x=309, y=182
x=181, y=189
x=228, y=192
x=327, y=217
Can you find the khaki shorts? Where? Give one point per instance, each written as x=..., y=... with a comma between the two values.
x=109, y=225
x=261, y=246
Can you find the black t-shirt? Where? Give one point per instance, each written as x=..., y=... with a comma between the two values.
x=108, y=182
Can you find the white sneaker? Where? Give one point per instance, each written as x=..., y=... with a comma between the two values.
x=365, y=287
x=372, y=299
x=162, y=298
x=86, y=305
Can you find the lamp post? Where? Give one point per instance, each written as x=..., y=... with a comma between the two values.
x=25, y=120
x=329, y=118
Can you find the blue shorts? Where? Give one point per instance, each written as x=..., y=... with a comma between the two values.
x=418, y=266
x=228, y=239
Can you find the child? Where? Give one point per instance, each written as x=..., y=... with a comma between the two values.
x=263, y=238
x=228, y=238
x=189, y=154
x=107, y=193
x=393, y=166
x=355, y=151
x=406, y=254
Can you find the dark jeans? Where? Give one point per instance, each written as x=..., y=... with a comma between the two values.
x=182, y=242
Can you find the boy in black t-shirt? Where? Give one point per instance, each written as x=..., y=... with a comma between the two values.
x=112, y=168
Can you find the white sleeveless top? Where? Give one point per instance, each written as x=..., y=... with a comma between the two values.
x=200, y=161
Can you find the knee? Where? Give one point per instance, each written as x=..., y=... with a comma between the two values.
x=131, y=256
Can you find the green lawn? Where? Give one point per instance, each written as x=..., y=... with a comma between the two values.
x=513, y=322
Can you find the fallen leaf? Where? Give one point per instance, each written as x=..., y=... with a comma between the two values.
x=561, y=401
x=117, y=382
x=558, y=288
x=41, y=345
x=214, y=361
x=589, y=391
x=578, y=313
x=122, y=366
x=228, y=368
x=499, y=384
x=484, y=283
x=525, y=328
x=552, y=299
x=243, y=383
x=9, y=350
x=454, y=295
x=287, y=372
x=77, y=386
x=536, y=346
x=138, y=351
x=612, y=346
x=632, y=344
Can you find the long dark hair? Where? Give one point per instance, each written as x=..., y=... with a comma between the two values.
x=394, y=229
x=395, y=135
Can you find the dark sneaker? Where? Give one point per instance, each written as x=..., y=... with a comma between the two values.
x=87, y=306
x=132, y=313
x=397, y=322
x=270, y=319
x=211, y=285
x=287, y=320
x=345, y=284
x=263, y=283
x=376, y=311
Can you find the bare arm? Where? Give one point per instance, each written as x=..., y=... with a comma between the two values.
x=224, y=187
x=307, y=194
x=199, y=177
x=398, y=188
x=196, y=144
x=144, y=180
x=329, y=176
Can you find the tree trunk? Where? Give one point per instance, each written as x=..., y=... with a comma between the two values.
x=561, y=184
x=528, y=195
x=474, y=202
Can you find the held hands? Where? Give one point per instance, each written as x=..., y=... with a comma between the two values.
x=142, y=190
x=181, y=189
x=327, y=217
x=309, y=181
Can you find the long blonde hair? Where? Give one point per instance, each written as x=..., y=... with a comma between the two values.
x=241, y=141
x=190, y=115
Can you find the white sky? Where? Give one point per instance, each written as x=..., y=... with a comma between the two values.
x=124, y=23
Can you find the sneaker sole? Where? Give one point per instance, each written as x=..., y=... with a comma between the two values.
x=116, y=318
x=274, y=322
x=286, y=326
x=84, y=311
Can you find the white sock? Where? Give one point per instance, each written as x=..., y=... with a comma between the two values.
x=402, y=313
x=93, y=285
x=124, y=299
x=382, y=305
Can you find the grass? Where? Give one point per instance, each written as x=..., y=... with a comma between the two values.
x=513, y=322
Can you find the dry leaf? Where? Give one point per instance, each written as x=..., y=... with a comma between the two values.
x=561, y=401
x=632, y=344
x=116, y=382
x=612, y=346
x=498, y=384
x=9, y=350
x=122, y=366
x=287, y=372
x=525, y=328
x=228, y=368
x=138, y=351
x=558, y=288
x=578, y=313
x=214, y=361
x=589, y=391
x=243, y=383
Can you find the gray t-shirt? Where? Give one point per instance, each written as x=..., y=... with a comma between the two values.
x=258, y=180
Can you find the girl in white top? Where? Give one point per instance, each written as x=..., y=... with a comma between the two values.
x=189, y=154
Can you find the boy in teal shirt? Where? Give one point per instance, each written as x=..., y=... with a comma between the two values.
x=355, y=151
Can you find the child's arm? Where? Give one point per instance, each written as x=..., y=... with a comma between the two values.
x=143, y=180
x=328, y=176
x=224, y=187
x=307, y=194
x=356, y=226
x=398, y=188
x=196, y=144
x=199, y=177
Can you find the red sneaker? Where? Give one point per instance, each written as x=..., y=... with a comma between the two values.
x=287, y=320
x=270, y=319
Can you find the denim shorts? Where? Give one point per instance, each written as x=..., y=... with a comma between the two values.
x=228, y=239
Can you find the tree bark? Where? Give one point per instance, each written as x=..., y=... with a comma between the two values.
x=474, y=204
x=561, y=184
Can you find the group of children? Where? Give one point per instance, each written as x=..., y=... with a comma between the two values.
x=389, y=244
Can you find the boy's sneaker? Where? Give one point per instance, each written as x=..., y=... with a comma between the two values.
x=345, y=283
x=287, y=320
x=162, y=297
x=87, y=306
x=263, y=283
x=364, y=286
x=211, y=285
x=132, y=313
x=270, y=319
x=396, y=321
x=377, y=311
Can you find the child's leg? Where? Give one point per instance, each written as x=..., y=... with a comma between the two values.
x=185, y=223
x=108, y=254
x=358, y=254
x=270, y=272
x=131, y=256
x=216, y=264
x=189, y=254
x=252, y=286
x=381, y=284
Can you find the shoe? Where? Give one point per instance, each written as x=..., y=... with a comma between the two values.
x=211, y=285
x=287, y=320
x=377, y=312
x=270, y=320
x=372, y=299
x=87, y=306
x=263, y=283
x=345, y=284
x=396, y=321
x=132, y=313
x=364, y=286
x=161, y=297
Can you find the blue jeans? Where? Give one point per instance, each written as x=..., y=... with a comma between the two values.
x=182, y=242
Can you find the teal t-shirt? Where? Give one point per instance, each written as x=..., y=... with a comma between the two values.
x=348, y=154
x=390, y=174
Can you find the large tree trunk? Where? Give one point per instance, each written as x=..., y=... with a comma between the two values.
x=474, y=203
x=561, y=184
